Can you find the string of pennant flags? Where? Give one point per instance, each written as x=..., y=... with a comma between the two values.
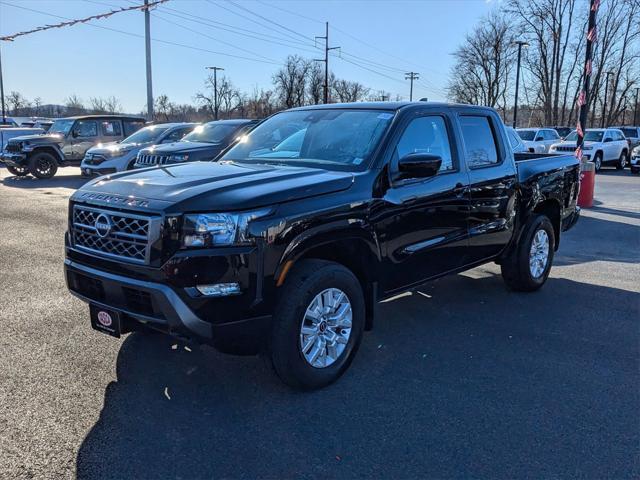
x=11, y=38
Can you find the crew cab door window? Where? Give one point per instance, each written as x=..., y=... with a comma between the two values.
x=479, y=141
x=426, y=135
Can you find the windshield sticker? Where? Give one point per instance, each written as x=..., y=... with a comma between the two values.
x=357, y=161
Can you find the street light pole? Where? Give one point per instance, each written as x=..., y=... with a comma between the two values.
x=215, y=90
x=4, y=115
x=635, y=109
x=520, y=44
x=606, y=93
x=147, y=45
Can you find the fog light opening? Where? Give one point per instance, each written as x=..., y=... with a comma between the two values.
x=219, y=289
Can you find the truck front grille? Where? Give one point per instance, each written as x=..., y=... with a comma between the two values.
x=13, y=147
x=150, y=160
x=114, y=234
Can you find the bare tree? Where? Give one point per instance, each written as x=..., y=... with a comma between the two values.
x=315, y=84
x=17, y=102
x=162, y=108
x=74, y=104
x=553, y=28
x=112, y=105
x=483, y=64
x=227, y=95
x=291, y=81
x=348, y=91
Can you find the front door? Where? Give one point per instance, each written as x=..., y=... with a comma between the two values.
x=422, y=223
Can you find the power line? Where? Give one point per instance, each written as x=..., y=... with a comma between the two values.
x=70, y=22
x=137, y=35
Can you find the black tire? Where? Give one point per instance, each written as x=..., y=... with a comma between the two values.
x=622, y=161
x=18, y=171
x=516, y=270
x=597, y=160
x=304, y=283
x=635, y=170
x=43, y=165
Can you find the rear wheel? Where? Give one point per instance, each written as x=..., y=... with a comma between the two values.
x=622, y=161
x=527, y=267
x=318, y=324
x=18, y=171
x=43, y=165
x=597, y=160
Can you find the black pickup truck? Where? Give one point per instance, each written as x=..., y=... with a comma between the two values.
x=286, y=244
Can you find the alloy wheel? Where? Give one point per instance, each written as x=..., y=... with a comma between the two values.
x=326, y=328
x=539, y=254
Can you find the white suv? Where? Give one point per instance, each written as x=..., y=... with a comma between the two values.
x=603, y=146
x=538, y=140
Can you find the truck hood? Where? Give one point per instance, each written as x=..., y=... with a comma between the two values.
x=180, y=147
x=39, y=138
x=211, y=186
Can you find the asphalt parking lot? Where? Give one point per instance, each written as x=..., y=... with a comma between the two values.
x=460, y=379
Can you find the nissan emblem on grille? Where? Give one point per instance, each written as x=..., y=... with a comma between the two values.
x=112, y=233
x=103, y=225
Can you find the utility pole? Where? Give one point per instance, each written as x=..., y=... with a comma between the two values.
x=635, y=109
x=606, y=93
x=147, y=44
x=215, y=90
x=326, y=61
x=411, y=76
x=520, y=44
x=4, y=116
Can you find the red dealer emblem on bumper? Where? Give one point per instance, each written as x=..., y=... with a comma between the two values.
x=105, y=319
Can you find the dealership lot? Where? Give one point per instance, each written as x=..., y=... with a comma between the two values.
x=461, y=378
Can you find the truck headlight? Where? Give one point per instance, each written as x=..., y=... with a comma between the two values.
x=636, y=151
x=181, y=157
x=219, y=229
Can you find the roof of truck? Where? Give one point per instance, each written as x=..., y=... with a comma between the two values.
x=387, y=105
x=84, y=117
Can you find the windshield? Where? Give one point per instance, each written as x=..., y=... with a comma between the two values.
x=61, y=126
x=325, y=138
x=589, y=136
x=146, y=135
x=211, y=132
x=527, y=135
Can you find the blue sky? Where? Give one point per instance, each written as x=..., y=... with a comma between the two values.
x=385, y=39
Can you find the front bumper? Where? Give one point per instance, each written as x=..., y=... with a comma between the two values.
x=95, y=171
x=13, y=159
x=164, y=299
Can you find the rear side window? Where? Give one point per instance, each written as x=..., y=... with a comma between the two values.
x=479, y=141
x=111, y=128
x=131, y=126
x=427, y=135
x=514, y=140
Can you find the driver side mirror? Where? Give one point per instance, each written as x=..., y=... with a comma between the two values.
x=74, y=133
x=418, y=165
x=607, y=140
x=538, y=139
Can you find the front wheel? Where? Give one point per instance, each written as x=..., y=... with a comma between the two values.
x=318, y=324
x=635, y=170
x=597, y=161
x=18, y=171
x=622, y=161
x=43, y=165
x=528, y=265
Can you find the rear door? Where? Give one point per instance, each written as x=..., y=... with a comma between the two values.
x=492, y=183
x=84, y=136
x=422, y=224
x=111, y=130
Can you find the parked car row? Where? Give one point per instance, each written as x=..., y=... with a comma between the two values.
x=604, y=146
x=104, y=144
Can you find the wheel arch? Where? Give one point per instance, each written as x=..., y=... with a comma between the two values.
x=47, y=149
x=357, y=252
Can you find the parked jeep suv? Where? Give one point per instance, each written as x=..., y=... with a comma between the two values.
x=205, y=142
x=65, y=143
x=603, y=146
